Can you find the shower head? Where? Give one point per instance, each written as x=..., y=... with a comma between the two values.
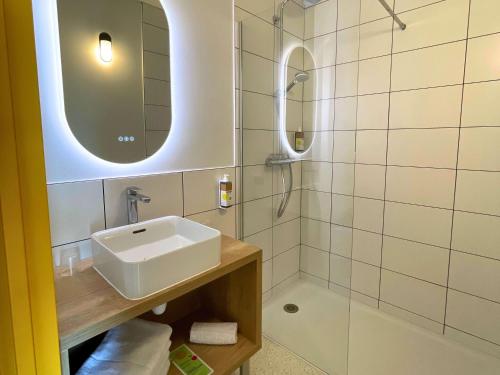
x=300, y=77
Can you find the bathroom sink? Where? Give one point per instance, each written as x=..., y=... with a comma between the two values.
x=141, y=259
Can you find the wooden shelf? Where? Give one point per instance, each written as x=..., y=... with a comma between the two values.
x=88, y=306
x=224, y=359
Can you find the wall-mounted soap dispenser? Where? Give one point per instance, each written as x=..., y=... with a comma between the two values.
x=225, y=192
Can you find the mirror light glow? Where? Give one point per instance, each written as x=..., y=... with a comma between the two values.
x=282, y=102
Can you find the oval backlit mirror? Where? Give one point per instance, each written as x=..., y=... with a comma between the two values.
x=299, y=90
x=116, y=76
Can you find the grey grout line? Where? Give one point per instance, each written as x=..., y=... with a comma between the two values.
x=473, y=335
x=457, y=163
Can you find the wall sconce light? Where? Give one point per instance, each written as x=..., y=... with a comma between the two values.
x=105, y=47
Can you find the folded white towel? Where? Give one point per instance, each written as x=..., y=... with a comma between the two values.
x=135, y=347
x=214, y=333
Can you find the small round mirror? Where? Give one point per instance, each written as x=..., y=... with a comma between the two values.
x=299, y=92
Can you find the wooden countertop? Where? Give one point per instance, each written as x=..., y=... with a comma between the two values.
x=87, y=305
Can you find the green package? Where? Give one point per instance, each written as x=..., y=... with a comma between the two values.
x=188, y=362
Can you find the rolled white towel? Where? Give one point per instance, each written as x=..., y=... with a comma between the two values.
x=214, y=333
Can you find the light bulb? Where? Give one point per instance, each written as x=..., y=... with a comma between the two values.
x=105, y=47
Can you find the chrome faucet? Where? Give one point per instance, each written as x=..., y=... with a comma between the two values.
x=133, y=196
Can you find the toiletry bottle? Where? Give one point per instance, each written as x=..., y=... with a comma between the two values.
x=299, y=140
x=225, y=192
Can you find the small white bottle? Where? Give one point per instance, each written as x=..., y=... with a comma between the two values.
x=225, y=192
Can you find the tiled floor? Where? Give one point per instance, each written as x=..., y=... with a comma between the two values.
x=274, y=359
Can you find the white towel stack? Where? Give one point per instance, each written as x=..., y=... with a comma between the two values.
x=135, y=347
x=214, y=333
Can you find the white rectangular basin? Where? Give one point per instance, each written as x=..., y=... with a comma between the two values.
x=141, y=259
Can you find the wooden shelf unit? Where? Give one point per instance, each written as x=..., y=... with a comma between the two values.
x=88, y=306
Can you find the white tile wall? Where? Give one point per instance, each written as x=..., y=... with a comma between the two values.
x=76, y=211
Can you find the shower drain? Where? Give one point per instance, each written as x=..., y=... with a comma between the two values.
x=291, y=308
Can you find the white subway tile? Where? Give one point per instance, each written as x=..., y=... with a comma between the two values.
x=473, y=315
x=340, y=270
x=344, y=146
x=443, y=22
x=476, y=234
x=341, y=240
x=414, y=295
x=257, y=74
x=480, y=104
x=484, y=17
x=258, y=111
x=424, y=262
x=423, y=148
x=317, y=176
x=365, y=279
x=263, y=240
x=478, y=192
x=368, y=214
x=347, y=45
x=480, y=149
x=374, y=75
x=342, y=210
x=262, y=8
x=345, y=113
x=375, y=38
x=76, y=211
x=371, y=10
x=222, y=220
x=425, y=186
x=348, y=13
x=314, y=262
x=343, y=178
x=405, y=5
x=165, y=191
x=320, y=19
x=322, y=147
x=417, y=223
x=367, y=247
x=371, y=146
x=428, y=67
x=257, y=182
x=293, y=21
x=257, y=216
x=347, y=79
x=373, y=111
x=286, y=236
x=258, y=35
x=324, y=49
x=257, y=145
x=427, y=108
x=315, y=233
x=475, y=275
x=316, y=205
x=370, y=181
x=285, y=265
x=481, y=62
x=201, y=189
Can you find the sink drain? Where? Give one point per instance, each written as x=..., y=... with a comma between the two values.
x=291, y=308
